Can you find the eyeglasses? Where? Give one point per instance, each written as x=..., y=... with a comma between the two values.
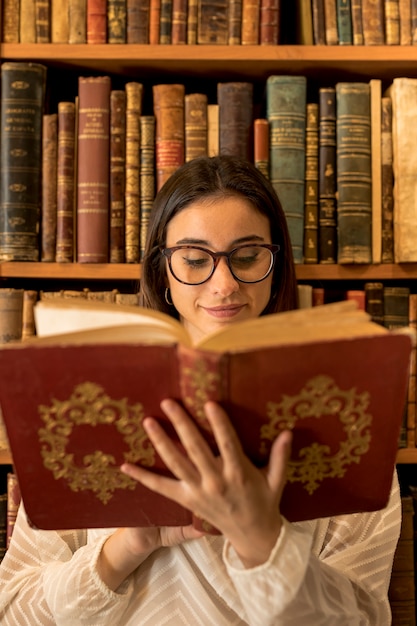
x=193, y=265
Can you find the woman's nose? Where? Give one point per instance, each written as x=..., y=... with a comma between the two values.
x=222, y=279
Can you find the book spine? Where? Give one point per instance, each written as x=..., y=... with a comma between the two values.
x=234, y=22
x=11, y=314
x=286, y=111
x=396, y=307
x=43, y=21
x=65, y=183
x=235, y=100
x=412, y=387
x=22, y=102
x=30, y=297
x=117, y=175
x=261, y=145
x=134, y=98
x=13, y=502
x=304, y=23
x=250, y=22
x=330, y=20
x=116, y=21
x=154, y=21
x=147, y=174
x=49, y=187
x=195, y=110
x=27, y=30
x=319, y=27
x=413, y=19
x=344, y=22
x=387, y=182
x=373, y=22
x=138, y=21
x=212, y=21
x=392, y=22
x=327, y=176
x=96, y=21
x=354, y=179
x=10, y=22
x=165, y=22
x=213, y=130
x=405, y=22
x=311, y=197
x=3, y=525
x=77, y=28
x=269, y=16
x=357, y=28
x=374, y=301
x=375, y=86
x=179, y=21
x=192, y=22
x=93, y=169
x=59, y=21
x=168, y=103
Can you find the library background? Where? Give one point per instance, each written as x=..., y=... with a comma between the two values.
x=101, y=101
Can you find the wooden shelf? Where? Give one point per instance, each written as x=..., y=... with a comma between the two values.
x=404, y=271
x=5, y=457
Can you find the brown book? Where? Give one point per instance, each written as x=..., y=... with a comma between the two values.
x=404, y=8
x=93, y=169
x=413, y=17
x=49, y=187
x=10, y=22
x=357, y=27
x=330, y=21
x=165, y=22
x=59, y=21
x=387, y=183
x=103, y=296
x=179, y=22
x=373, y=22
x=250, y=22
x=319, y=27
x=147, y=175
x=77, y=10
x=234, y=23
x=30, y=296
x=13, y=503
x=411, y=421
x=3, y=525
x=327, y=176
x=342, y=360
x=116, y=21
x=212, y=21
x=374, y=301
x=117, y=175
x=195, y=111
x=396, y=307
x=11, y=314
x=401, y=591
x=65, y=183
x=392, y=22
x=134, y=97
x=375, y=85
x=137, y=21
x=261, y=145
x=96, y=21
x=235, y=101
x=269, y=22
x=127, y=299
x=311, y=190
x=304, y=23
x=27, y=29
x=213, y=130
x=154, y=21
x=192, y=21
x=168, y=102
x=43, y=21
x=20, y=159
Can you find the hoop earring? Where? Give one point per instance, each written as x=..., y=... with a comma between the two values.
x=167, y=297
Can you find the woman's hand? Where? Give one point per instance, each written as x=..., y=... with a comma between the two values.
x=227, y=491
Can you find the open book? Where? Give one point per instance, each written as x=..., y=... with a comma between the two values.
x=73, y=405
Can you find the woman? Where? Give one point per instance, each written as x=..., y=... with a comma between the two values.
x=218, y=251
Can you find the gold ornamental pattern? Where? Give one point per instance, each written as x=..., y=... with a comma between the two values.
x=99, y=472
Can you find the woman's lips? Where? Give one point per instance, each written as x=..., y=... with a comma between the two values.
x=224, y=312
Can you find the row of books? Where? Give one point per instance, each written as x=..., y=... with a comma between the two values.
x=9, y=504
x=97, y=163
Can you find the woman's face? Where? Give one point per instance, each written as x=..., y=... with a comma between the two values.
x=218, y=224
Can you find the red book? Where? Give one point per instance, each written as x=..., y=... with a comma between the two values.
x=96, y=21
x=81, y=411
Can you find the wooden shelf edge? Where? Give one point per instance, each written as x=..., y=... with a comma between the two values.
x=400, y=271
x=71, y=271
x=5, y=457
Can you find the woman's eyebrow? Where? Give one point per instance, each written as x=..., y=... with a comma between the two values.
x=195, y=241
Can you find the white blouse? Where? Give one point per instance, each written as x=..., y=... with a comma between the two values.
x=325, y=572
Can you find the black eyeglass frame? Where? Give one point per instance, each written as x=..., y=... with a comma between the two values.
x=216, y=256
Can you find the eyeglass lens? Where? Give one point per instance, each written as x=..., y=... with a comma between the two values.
x=248, y=263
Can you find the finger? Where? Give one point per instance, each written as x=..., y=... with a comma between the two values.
x=278, y=462
x=226, y=437
x=160, y=484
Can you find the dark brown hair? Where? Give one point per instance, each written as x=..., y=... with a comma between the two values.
x=215, y=176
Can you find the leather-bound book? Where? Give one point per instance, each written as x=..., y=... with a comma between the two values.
x=30, y=297
x=396, y=307
x=49, y=187
x=117, y=174
x=137, y=21
x=375, y=85
x=330, y=21
x=3, y=525
x=65, y=183
x=261, y=145
x=116, y=21
x=413, y=17
x=311, y=194
x=10, y=22
x=234, y=23
x=286, y=101
x=179, y=22
x=43, y=21
x=77, y=21
x=327, y=176
x=235, y=100
x=93, y=171
x=401, y=592
x=344, y=22
x=165, y=22
x=250, y=22
x=154, y=21
x=195, y=125
x=59, y=21
x=387, y=182
x=357, y=27
x=168, y=102
x=354, y=177
x=329, y=359
x=269, y=22
x=11, y=314
x=213, y=129
x=304, y=23
x=319, y=27
x=27, y=30
x=212, y=21
x=192, y=21
x=373, y=22
x=134, y=97
x=404, y=7
x=13, y=503
x=22, y=104
x=96, y=21
x=392, y=22
x=411, y=421
x=147, y=175
x=374, y=301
